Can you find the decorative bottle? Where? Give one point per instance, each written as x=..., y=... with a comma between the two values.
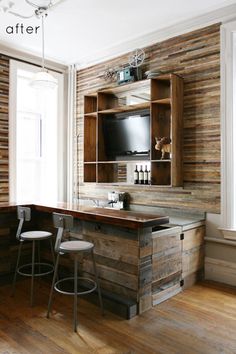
x=141, y=175
x=149, y=176
x=145, y=175
x=136, y=175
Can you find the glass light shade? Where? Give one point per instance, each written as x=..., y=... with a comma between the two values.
x=43, y=79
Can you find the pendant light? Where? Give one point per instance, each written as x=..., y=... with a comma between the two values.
x=43, y=79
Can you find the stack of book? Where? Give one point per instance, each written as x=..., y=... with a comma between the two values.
x=151, y=74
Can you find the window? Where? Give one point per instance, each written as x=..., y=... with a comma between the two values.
x=37, y=138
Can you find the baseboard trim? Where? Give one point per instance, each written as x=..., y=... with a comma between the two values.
x=220, y=271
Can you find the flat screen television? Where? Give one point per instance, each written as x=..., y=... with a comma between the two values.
x=127, y=133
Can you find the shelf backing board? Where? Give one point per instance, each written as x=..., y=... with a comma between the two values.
x=160, y=88
x=161, y=173
x=90, y=104
x=112, y=173
x=90, y=139
x=102, y=156
x=90, y=172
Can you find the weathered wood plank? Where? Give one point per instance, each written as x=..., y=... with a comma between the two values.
x=193, y=261
x=165, y=294
x=193, y=238
x=166, y=263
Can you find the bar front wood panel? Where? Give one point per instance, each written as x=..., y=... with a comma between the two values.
x=194, y=56
x=193, y=256
x=4, y=128
x=123, y=260
x=118, y=269
x=166, y=263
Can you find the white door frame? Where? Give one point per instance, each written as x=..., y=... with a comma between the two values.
x=227, y=127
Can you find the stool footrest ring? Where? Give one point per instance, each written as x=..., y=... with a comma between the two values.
x=79, y=292
x=50, y=266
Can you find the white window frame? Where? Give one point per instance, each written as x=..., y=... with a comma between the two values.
x=228, y=204
x=62, y=131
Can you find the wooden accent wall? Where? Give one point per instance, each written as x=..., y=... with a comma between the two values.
x=4, y=99
x=196, y=57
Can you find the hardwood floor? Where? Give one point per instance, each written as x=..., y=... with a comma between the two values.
x=202, y=320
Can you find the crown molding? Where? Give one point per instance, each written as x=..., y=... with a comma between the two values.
x=30, y=57
x=222, y=15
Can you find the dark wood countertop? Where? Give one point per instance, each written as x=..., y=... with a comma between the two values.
x=123, y=218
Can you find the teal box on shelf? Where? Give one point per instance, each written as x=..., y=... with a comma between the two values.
x=125, y=75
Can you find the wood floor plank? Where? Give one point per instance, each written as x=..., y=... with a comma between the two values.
x=200, y=320
x=9, y=346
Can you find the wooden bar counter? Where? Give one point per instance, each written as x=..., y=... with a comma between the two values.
x=124, y=218
x=123, y=249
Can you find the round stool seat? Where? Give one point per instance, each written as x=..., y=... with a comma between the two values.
x=35, y=235
x=75, y=246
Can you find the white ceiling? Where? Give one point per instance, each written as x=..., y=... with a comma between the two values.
x=77, y=30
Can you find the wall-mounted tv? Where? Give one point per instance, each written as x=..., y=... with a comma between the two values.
x=127, y=133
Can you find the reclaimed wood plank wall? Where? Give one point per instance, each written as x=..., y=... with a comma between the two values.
x=4, y=127
x=196, y=57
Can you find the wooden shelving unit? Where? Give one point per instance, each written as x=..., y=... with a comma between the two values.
x=163, y=96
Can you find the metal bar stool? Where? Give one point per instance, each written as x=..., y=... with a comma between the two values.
x=24, y=214
x=65, y=223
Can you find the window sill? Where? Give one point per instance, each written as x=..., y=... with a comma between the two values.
x=228, y=234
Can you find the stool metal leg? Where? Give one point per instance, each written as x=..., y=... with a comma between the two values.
x=53, y=283
x=39, y=257
x=17, y=265
x=32, y=275
x=75, y=290
x=97, y=281
x=52, y=251
x=53, y=257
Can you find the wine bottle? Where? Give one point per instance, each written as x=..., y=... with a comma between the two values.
x=149, y=176
x=145, y=175
x=136, y=175
x=141, y=175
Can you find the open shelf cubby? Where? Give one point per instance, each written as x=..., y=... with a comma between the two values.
x=161, y=173
x=90, y=104
x=90, y=172
x=162, y=98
